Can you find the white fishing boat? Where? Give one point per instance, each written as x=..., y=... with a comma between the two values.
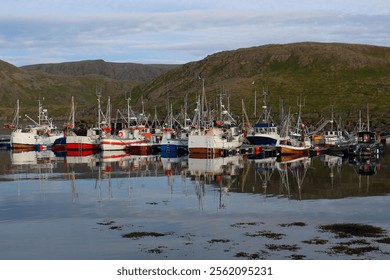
x=125, y=138
x=213, y=138
x=135, y=131
x=214, y=141
x=294, y=140
x=38, y=136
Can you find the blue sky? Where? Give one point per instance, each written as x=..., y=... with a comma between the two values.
x=178, y=31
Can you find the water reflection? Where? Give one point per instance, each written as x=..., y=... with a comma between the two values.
x=320, y=177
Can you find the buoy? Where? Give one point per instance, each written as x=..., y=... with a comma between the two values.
x=120, y=133
x=257, y=149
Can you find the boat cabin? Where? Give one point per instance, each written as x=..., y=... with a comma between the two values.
x=366, y=137
x=265, y=128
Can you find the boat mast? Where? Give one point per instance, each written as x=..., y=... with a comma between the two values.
x=128, y=109
x=203, y=103
x=368, y=119
x=99, y=95
x=265, y=109
x=15, y=121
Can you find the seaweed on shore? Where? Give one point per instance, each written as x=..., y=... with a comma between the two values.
x=297, y=224
x=141, y=234
x=267, y=234
x=349, y=230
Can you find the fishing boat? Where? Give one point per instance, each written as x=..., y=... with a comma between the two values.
x=264, y=132
x=59, y=144
x=174, y=141
x=38, y=136
x=330, y=137
x=134, y=131
x=214, y=141
x=213, y=137
x=367, y=145
x=293, y=146
x=91, y=141
x=367, y=142
x=294, y=140
x=125, y=138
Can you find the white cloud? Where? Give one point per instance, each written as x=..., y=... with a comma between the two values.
x=178, y=31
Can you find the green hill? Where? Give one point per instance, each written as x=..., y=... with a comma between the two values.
x=56, y=83
x=118, y=71
x=345, y=76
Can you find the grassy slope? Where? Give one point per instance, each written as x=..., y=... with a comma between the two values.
x=347, y=77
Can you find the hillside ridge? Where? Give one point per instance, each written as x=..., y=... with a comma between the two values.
x=345, y=77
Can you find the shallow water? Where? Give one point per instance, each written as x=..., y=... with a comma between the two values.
x=115, y=206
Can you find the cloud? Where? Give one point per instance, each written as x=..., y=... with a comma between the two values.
x=177, y=31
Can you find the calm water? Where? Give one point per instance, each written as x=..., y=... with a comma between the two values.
x=115, y=206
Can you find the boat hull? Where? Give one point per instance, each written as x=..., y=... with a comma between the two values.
x=261, y=140
x=82, y=143
x=115, y=144
x=211, y=145
x=31, y=141
x=291, y=150
x=141, y=149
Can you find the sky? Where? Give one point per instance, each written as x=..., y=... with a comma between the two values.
x=178, y=31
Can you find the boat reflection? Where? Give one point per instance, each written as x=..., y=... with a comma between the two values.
x=320, y=177
x=297, y=167
x=210, y=170
x=222, y=172
x=264, y=169
x=365, y=166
